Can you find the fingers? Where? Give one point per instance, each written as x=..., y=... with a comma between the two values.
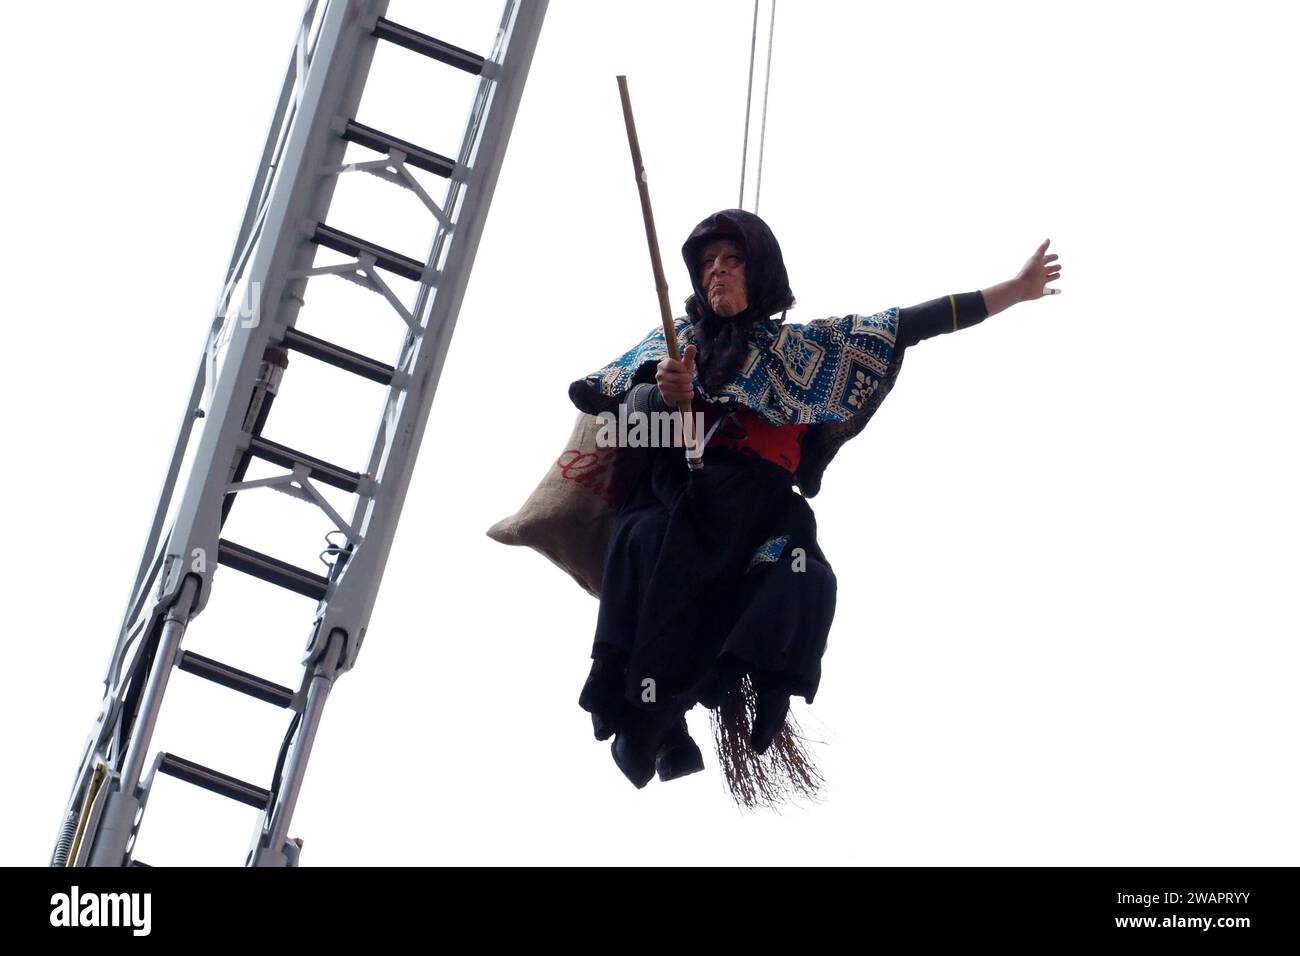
x=676, y=388
x=676, y=391
x=676, y=378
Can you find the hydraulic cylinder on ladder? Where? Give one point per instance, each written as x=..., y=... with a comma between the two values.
x=239, y=373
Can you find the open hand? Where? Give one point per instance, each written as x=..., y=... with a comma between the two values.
x=1037, y=272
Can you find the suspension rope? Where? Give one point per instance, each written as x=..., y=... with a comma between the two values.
x=749, y=98
x=749, y=94
x=767, y=85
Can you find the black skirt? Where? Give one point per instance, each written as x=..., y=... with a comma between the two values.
x=685, y=609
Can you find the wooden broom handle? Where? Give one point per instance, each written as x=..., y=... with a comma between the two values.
x=661, y=284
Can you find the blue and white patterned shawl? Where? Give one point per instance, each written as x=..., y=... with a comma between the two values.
x=830, y=374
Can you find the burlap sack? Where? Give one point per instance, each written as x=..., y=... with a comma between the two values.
x=569, y=515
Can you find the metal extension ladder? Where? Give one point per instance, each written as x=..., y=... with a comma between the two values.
x=239, y=373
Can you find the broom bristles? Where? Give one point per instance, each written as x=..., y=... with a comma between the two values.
x=783, y=773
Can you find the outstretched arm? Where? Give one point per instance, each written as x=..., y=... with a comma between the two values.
x=937, y=316
x=953, y=312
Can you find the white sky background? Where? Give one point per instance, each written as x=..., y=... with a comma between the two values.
x=1065, y=631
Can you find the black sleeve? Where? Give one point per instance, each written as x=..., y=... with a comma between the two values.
x=588, y=398
x=948, y=314
x=644, y=397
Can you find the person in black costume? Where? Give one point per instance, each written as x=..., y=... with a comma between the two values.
x=686, y=615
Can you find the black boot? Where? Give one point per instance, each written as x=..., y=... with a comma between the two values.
x=679, y=756
x=637, y=744
x=772, y=707
x=632, y=760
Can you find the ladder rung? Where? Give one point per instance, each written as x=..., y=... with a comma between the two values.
x=415, y=155
x=394, y=262
x=286, y=457
x=235, y=679
x=272, y=570
x=214, y=780
x=339, y=357
x=437, y=49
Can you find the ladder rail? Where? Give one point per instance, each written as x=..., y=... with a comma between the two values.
x=281, y=119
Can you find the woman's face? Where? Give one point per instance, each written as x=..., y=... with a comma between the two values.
x=722, y=277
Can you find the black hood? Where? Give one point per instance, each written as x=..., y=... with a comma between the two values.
x=723, y=343
x=767, y=287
